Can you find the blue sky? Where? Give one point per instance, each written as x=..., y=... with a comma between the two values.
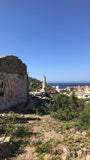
x=52, y=37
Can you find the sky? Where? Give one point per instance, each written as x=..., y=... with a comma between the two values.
x=52, y=37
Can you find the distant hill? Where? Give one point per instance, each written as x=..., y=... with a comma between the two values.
x=36, y=85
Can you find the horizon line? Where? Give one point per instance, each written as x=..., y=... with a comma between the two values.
x=68, y=81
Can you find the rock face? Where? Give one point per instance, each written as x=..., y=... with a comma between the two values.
x=13, y=82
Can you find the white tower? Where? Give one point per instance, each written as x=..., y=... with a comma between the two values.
x=44, y=84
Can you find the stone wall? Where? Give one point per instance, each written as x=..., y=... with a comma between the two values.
x=13, y=82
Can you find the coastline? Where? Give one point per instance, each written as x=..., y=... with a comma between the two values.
x=64, y=85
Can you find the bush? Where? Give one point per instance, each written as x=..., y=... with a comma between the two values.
x=88, y=133
x=8, y=127
x=44, y=148
x=68, y=158
x=7, y=123
x=67, y=108
x=84, y=118
x=64, y=107
x=40, y=110
x=21, y=131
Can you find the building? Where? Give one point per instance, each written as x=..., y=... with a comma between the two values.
x=13, y=82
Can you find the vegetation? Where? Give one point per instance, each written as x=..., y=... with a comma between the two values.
x=19, y=133
x=12, y=128
x=84, y=117
x=61, y=106
x=45, y=147
x=36, y=85
x=62, y=122
x=68, y=108
x=59, y=135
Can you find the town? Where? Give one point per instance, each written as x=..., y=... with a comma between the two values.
x=80, y=91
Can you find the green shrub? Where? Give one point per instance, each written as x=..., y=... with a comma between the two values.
x=64, y=107
x=40, y=110
x=88, y=133
x=68, y=158
x=78, y=140
x=57, y=158
x=74, y=148
x=21, y=131
x=44, y=148
x=7, y=123
x=12, y=116
x=84, y=118
x=8, y=126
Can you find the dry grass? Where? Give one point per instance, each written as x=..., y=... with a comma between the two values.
x=51, y=139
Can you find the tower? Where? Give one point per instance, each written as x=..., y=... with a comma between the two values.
x=44, y=84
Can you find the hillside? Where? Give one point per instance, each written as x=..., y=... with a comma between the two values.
x=36, y=85
x=56, y=130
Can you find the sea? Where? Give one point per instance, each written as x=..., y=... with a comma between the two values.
x=63, y=85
